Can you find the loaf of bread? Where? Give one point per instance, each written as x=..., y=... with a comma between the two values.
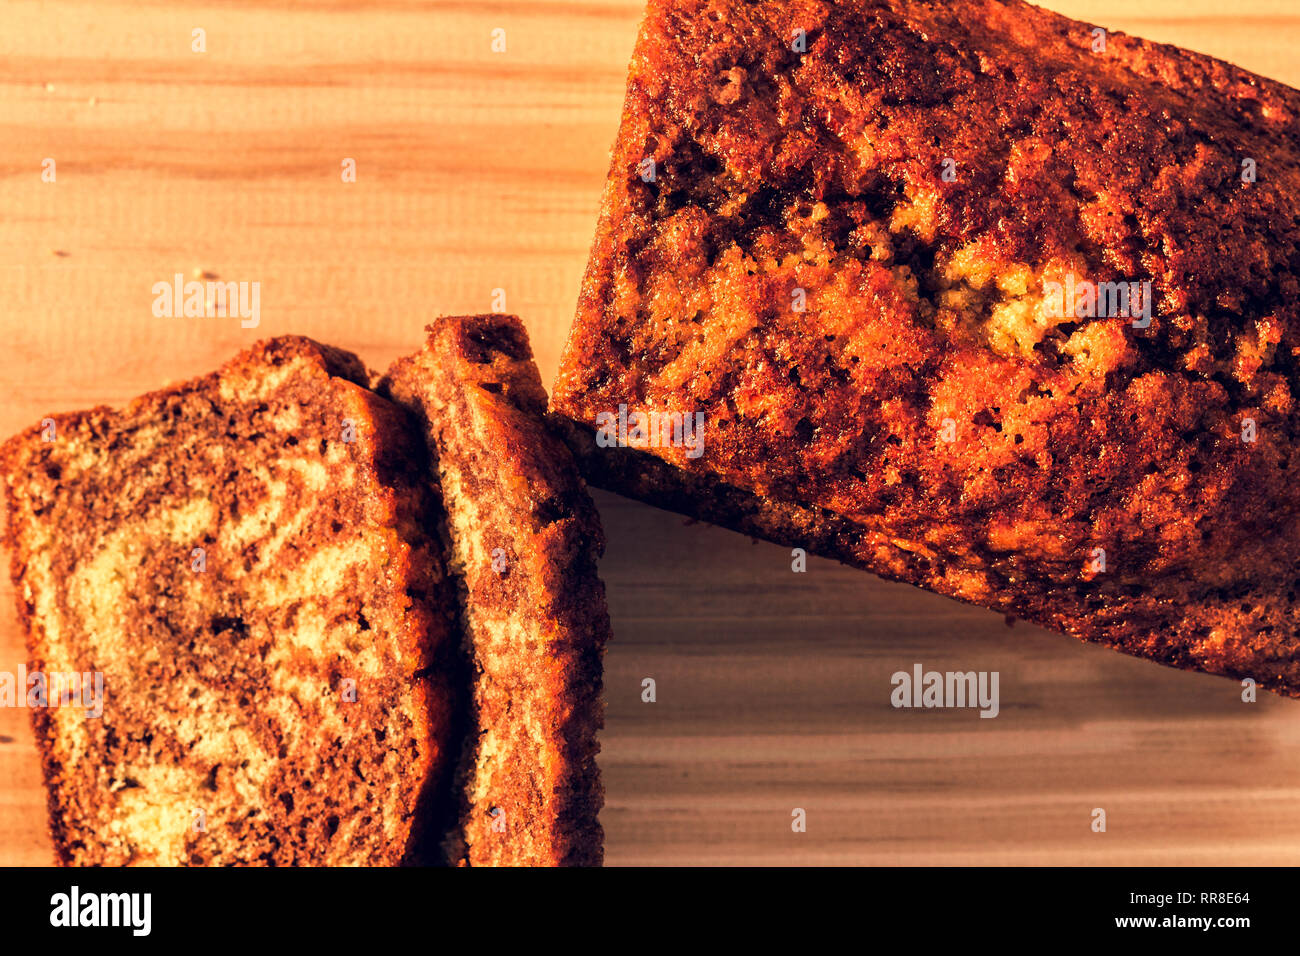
x=971, y=295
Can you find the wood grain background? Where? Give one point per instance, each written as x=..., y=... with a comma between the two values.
x=481, y=170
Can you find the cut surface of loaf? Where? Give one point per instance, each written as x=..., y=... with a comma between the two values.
x=523, y=539
x=245, y=559
x=844, y=234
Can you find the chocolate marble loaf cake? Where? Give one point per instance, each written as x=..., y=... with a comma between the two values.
x=522, y=542
x=247, y=561
x=330, y=626
x=970, y=295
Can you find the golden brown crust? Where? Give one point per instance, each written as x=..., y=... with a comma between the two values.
x=224, y=694
x=926, y=415
x=523, y=540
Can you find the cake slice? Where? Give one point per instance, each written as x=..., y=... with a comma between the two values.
x=244, y=565
x=522, y=542
x=970, y=295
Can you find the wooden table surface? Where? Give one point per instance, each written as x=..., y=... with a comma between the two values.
x=481, y=170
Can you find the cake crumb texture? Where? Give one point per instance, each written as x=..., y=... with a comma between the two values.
x=523, y=540
x=244, y=558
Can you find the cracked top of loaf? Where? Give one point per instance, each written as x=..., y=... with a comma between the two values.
x=843, y=231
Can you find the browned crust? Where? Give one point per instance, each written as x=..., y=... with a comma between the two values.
x=480, y=394
x=823, y=170
x=648, y=478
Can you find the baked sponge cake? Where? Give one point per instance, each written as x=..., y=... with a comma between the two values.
x=522, y=540
x=247, y=562
x=970, y=295
x=318, y=625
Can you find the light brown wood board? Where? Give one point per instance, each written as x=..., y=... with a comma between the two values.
x=479, y=171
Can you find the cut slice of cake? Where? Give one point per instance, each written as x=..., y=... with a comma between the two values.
x=522, y=541
x=970, y=295
x=245, y=564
